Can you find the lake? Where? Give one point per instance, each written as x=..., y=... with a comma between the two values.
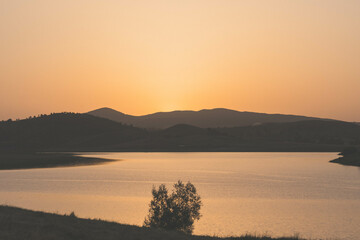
x=273, y=193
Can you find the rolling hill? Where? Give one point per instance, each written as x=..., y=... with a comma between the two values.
x=64, y=131
x=84, y=132
x=219, y=117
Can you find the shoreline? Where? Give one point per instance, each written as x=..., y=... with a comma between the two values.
x=30, y=160
x=34, y=160
x=18, y=224
x=348, y=160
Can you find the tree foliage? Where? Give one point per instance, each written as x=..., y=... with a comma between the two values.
x=177, y=211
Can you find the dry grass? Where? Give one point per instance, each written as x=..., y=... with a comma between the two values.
x=20, y=224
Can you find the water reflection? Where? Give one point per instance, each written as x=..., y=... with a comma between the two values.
x=278, y=193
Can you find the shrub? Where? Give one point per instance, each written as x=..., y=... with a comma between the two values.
x=177, y=211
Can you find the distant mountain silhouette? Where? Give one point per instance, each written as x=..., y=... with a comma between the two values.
x=182, y=130
x=83, y=132
x=312, y=135
x=64, y=131
x=219, y=117
x=311, y=131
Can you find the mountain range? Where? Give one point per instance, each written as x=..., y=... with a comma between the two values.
x=206, y=118
x=84, y=132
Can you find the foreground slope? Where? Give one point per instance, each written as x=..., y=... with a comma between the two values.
x=20, y=224
x=207, y=118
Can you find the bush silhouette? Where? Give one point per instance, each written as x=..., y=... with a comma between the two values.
x=177, y=211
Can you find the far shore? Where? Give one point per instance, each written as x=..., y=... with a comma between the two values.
x=30, y=160
x=13, y=161
x=19, y=224
x=348, y=160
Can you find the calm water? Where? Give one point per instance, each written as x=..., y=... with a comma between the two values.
x=274, y=193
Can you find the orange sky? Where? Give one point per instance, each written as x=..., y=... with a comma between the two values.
x=287, y=56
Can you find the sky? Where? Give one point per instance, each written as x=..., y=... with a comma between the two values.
x=143, y=56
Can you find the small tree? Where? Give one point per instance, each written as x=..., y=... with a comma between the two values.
x=178, y=211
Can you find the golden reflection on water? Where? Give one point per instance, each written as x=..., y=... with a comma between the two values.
x=277, y=193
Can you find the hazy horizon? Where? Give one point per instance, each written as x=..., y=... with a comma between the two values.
x=144, y=56
x=175, y=110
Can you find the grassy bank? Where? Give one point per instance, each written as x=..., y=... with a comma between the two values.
x=45, y=160
x=19, y=224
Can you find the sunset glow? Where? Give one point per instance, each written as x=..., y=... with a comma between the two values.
x=139, y=57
